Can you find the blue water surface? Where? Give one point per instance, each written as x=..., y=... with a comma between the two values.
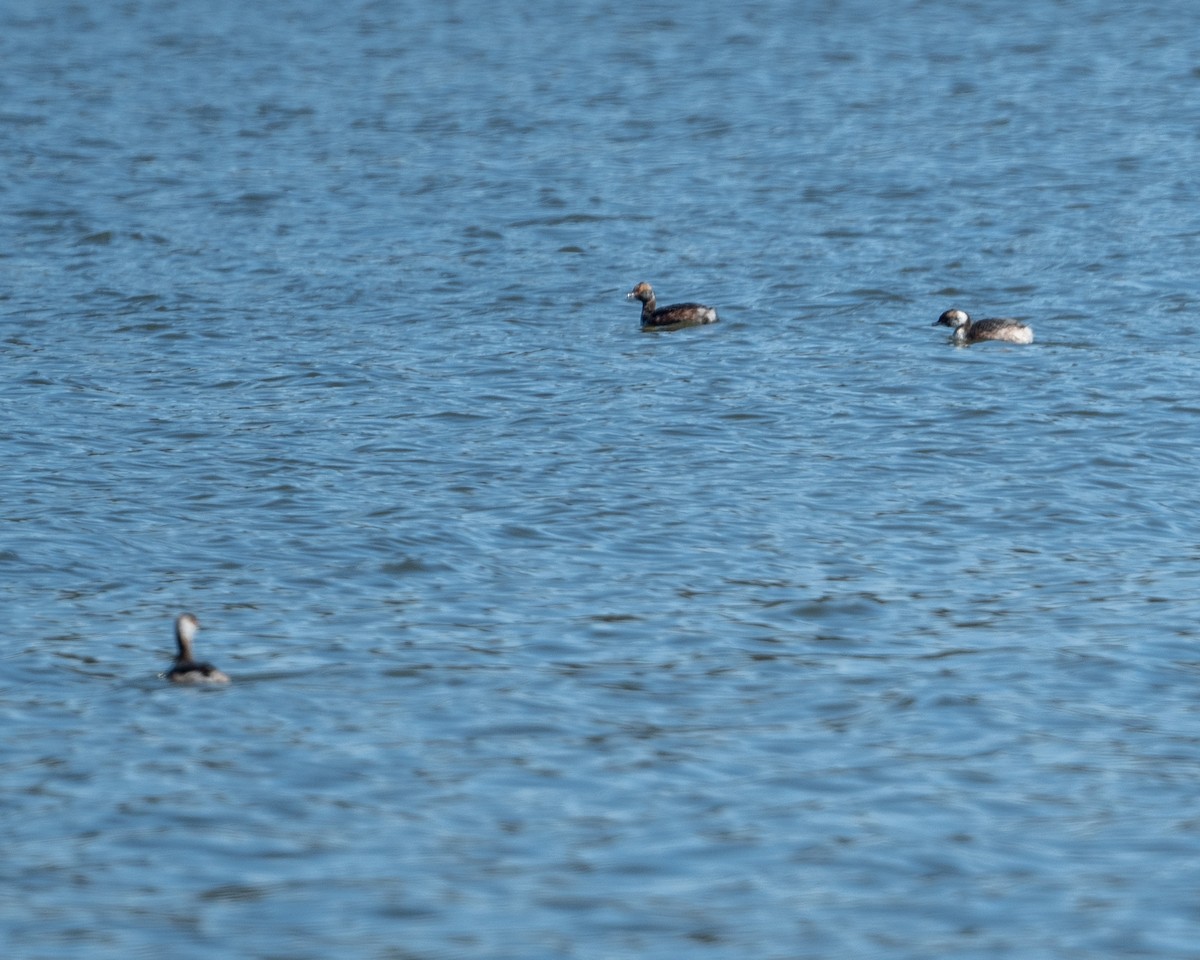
x=804, y=635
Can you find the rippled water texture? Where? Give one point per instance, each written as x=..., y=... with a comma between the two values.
x=803, y=635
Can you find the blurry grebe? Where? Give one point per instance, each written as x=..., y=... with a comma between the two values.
x=186, y=669
x=966, y=331
x=676, y=315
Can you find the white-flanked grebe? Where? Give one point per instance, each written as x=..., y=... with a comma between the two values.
x=676, y=315
x=186, y=669
x=967, y=330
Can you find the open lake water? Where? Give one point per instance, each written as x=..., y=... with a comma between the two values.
x=804, y=635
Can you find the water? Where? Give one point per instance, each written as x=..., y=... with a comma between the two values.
x=805, y=635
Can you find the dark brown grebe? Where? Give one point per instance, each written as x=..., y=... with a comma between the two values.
x=186, y=669
x=676, y=315
x=968, y=331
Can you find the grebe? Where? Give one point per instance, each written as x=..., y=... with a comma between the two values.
x=966, y=331
x=676, y=315
x=186, y=669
